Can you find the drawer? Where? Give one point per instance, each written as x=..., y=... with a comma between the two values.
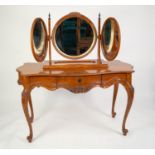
x=109, y=79
x=74, y=81
x=45, y=81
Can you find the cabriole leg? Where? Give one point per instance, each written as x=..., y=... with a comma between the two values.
x=130, y=92
x=25, y=100
x=31, y=108
x=113, y=113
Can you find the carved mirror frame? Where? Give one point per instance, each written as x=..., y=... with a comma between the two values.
x=74, y=15
x=116, y=39
x=39, y=57
x=109, y=53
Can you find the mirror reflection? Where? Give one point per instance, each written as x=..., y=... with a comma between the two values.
x=74, y=36
x=111, y=38
x=39, y=37
x=108, y=35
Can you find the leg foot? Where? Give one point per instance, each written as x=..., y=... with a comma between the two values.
x=113, y=114
x=29, y=138
x=125, y=131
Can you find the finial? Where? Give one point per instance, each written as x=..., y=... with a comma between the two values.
x=99, y=15
x=49, y=15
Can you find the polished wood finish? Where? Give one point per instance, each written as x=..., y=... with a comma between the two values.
x=76, y=80
x=31, y=109
x=80, y=16
x=113, y=113
x=99, y=39
x=78, y=64
x=116, y=43
x=41, y=56
x=49, y=38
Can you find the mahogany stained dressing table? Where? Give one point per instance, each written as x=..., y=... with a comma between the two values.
x=77, y=76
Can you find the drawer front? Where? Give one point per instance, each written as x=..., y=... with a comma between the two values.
x=47, y=82
x=110, y=76
x=78, y=81
x=109, y=79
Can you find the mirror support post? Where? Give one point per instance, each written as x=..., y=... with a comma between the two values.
x=99, y=39
x=49, y=38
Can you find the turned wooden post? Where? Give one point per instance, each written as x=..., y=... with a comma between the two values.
x=49, y=38
x=99, y=39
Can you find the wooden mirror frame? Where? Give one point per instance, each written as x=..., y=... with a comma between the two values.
x=72, y=15
x=115, y=49
x=39, y=57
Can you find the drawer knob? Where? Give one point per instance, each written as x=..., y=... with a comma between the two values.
x=79, y=80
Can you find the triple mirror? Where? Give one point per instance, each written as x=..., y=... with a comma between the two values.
x=74, y=36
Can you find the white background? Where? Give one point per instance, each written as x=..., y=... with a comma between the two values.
x=66, y=120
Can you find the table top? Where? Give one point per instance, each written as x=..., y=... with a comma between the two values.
x=36, y=69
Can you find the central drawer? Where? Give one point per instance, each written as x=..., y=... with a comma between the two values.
x=74, y=81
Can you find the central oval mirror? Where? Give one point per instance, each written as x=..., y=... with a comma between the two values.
x=39, y=39
x=74, y=36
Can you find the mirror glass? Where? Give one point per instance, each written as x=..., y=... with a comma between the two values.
x=110, y=38
x=74, y=36
x=108, y=34
x=39, y=37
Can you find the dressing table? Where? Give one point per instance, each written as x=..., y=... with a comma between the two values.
x=74, y=36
